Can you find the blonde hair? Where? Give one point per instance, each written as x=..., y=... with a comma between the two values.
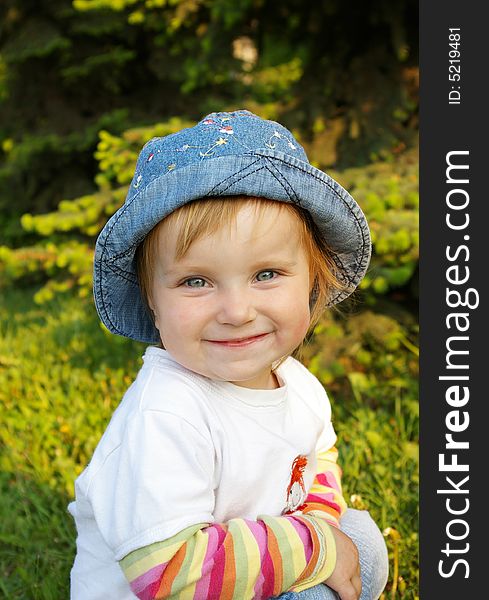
x=206, y=215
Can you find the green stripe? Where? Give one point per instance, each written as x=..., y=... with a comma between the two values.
x=286, y=550
x=182, y=536
x=180, y=581
x=240, y=558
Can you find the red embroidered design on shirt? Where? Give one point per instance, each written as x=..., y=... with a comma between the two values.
x=296, y=490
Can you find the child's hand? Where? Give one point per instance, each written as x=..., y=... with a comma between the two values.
x=345, y=579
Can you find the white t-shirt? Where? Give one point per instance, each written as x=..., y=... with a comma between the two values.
x=183, y=449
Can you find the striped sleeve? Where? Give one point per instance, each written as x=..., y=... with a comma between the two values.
x=241, y=560
x=325, y=493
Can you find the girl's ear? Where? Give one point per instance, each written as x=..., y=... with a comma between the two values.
x=155, y=321
x=154, y=316
x=151, y=309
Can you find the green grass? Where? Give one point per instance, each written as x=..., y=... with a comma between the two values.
x=61, y=376
x=36, y=539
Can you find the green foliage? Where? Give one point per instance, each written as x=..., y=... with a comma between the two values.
x=50, y=154
x=65, y=260
x=387, y=191
x=67, y=69
x=365, y=353
x=274, y=83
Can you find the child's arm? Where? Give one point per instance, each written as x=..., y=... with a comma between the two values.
x=325, y=494
x=242, y=559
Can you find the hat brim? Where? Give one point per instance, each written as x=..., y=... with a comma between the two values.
x=265, y=173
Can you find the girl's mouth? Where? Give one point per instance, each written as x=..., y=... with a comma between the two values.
x=239, y=342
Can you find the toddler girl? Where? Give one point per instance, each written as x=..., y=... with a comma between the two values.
x=217, y=475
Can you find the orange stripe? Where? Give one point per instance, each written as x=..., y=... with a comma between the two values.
x=323, y=507
x=229, y=575
x=315, y=551
x=276, y=556
x=171, y=571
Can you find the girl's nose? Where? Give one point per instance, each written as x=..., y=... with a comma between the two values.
x=236, y=307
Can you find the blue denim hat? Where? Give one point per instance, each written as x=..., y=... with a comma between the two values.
x=225, y=154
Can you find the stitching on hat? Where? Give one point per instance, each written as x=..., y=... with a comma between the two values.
x=101, y=297
x=122, y=274
x=234, y=175
x=273, y=173
x=118, y=274
x=343, y=293
x=276, y=173
x=128, y=250
x=222, y=192
x=102, y=300
x=337, y=260
x=104, y=250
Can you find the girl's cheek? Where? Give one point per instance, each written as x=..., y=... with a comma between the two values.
x=302, y=319
x=184, y=313
x=304, y=325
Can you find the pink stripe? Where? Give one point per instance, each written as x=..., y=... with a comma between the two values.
x=217, y=573
x=146, y=585
x=316, y=498
x=258, y=530
x=258, y=587
x=259, y=533
x=268, y=575
x=327, y=479
x=202, y=587
x=327, y=499
x=303, y=533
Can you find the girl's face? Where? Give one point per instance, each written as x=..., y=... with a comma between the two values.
x=237, y=301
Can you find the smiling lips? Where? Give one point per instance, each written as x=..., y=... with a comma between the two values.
x=239, y=343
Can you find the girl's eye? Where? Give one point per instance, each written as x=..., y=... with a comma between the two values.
x=265, y=275
x=194, y=282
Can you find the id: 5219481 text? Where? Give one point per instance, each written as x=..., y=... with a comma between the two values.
x=454, y=65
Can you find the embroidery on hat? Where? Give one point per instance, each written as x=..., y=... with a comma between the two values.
x=137, y=183
x=210, y=151
x=186, y=147
x=279, y=136
x=296, y=490
x=220, y=124
x=227, y=129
